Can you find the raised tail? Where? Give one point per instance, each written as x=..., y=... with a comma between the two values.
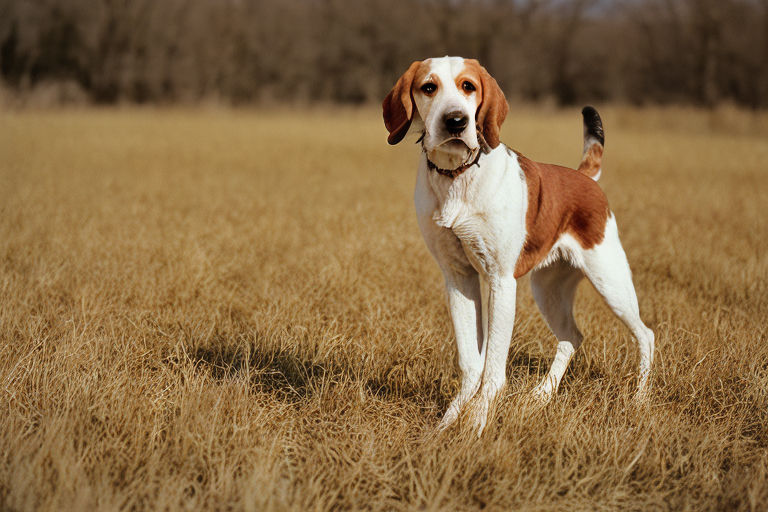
x=594, y=141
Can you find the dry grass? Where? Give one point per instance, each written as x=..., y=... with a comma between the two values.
x=235, y=310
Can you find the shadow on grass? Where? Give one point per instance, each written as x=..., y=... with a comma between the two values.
x=269, y=370
x=292, y=377
x=522, y=363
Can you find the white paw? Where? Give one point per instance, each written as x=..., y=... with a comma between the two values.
x=450, y=417
x=642, y=394
x=542, y=393
x=482, y=406
x=478, y=416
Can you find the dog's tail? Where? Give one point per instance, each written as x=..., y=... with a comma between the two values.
x=594, y=141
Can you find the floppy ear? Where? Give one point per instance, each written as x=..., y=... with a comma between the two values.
x=398, y=106
x=492, y=110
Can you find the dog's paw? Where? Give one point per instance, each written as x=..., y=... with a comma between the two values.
x=542, y=394
x=642, y=395
x=483, y=406
x=478, y=416
x=449, y=418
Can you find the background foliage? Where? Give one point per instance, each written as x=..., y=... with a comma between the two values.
x=690, y=51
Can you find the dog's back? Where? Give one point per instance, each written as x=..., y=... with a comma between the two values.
x=560, y=200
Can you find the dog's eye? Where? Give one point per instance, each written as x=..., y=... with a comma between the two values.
x=468, y=86
x=428, y=88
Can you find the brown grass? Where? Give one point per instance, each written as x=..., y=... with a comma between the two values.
x=235, y=310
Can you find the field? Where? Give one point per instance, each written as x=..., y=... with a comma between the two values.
x=217, y=309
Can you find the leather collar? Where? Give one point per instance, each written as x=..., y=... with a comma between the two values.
x=453, y=173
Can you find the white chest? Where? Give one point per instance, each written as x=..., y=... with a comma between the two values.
x=476, y=218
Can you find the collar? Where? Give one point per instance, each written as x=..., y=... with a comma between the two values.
x=453, y=173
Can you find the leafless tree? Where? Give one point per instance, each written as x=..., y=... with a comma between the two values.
x=691, y=51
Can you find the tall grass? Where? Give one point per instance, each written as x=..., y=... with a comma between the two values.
x=235, y=310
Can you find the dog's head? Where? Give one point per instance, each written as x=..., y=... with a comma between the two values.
x=457, y=105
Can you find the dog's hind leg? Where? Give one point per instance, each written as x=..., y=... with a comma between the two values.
x=607, y=268
x=554, y=288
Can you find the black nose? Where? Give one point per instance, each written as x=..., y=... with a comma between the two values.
x=455, y=122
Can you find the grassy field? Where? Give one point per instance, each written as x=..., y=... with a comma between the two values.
x=215, y=309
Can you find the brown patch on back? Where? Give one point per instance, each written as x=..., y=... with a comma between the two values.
x=592, y=160
x=560, y=200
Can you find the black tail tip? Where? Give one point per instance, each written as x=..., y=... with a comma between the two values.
x=592, y=124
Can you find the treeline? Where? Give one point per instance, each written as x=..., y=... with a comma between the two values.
x=661, y=51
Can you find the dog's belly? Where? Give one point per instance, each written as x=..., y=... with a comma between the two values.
x=566, y=249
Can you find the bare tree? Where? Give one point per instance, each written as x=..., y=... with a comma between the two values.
x=693, y=51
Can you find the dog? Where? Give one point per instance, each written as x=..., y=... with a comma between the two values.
x=489, y=216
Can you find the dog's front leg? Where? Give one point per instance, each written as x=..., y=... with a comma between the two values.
x=463, y=291
x=501, y=320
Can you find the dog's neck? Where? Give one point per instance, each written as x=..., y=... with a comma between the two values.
x=473, y=159
x=455, y=198
x=453, y=173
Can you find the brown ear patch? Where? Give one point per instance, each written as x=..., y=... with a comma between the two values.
x=560, y=200
x=493, y=108
x=398, y=105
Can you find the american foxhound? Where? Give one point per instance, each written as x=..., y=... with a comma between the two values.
x=489, y=216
